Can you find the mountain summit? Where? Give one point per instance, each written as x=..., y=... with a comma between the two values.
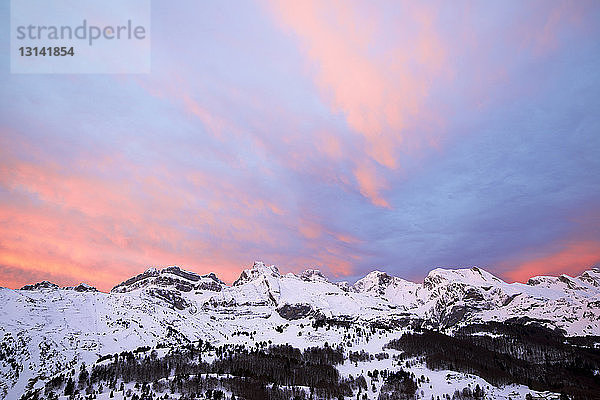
x=171, y=277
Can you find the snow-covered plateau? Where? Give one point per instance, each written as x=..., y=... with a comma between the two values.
x=48, y=331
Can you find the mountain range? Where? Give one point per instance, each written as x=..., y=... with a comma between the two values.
x=46, y=329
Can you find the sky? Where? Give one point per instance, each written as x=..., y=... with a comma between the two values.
x=346, y=136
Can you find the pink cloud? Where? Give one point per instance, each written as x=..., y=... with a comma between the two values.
x=109, y=218
x=569, y=258
x=379, y=93
x=371, y=184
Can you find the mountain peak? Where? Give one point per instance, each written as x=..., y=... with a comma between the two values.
x=373, y=281
x=591, y=277
x=473, y=275
x=40, y=285
x=82, y=287
x=313, y=275
x=175, y=270
x=151, y=271
x=259, y=265
x=171, y=276
x=257, y=270
x=214, y=277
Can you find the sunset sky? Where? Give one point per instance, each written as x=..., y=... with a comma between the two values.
x=346, y=136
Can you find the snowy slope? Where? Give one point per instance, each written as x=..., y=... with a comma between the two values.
x=472, y=295
x=46, y=329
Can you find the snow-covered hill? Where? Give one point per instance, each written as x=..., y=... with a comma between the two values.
x=46, y=329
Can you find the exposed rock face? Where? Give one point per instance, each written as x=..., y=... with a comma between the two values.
x=171, y=277
x=591, y=277
x=213, y=277
x=175, y=270
x=133, y=282
x=313, y=275
x=210, y=282
x=179, y=284
x=258, y=270
x=567, y=281
x=173, y=297
x=345, y=286
x=539, y=280
x=83, y=287
x=457, y=295
x=295, y=311
x=375, y=281
x=212, y=286
x=40, y=285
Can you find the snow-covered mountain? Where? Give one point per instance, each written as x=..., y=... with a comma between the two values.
x=46, y=329
x=171, y=277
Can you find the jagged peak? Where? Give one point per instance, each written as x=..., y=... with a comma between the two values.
x=82, y=287
x=258, y=269
x=261, y=266
x=313, y=275
x=175, y=270
x=171, y=275
x=150, y=272
x=214, y=277
x=40, y=285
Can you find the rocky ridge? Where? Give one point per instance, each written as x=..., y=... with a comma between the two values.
x=65, y=326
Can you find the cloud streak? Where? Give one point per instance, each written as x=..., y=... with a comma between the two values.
x=380, y=91
x=344, y=136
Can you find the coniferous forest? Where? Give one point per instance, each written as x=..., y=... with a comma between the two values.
x=500, y=353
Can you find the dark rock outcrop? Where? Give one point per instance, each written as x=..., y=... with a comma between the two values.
x=40, y=285
x=172, y=297
x=171, y=277
x=296, y=311
x=82, y=287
